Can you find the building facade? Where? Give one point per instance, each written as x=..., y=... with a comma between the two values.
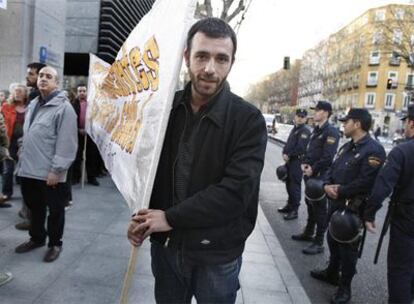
x=368, y=63
x=62, y=33
x=31, y=30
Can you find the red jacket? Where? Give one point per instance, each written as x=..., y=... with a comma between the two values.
x=9, y=113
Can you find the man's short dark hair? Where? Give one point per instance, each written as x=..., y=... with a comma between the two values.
x=213, y=28
x=365, y=123
x=36, y=65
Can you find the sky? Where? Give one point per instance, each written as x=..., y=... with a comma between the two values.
x=273, y=29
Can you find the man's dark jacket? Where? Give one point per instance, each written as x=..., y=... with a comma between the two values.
x=211, y=225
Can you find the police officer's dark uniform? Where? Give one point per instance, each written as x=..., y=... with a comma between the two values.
x=397, y=177
x=354, y=169
x=319, y=156
x=295, y=149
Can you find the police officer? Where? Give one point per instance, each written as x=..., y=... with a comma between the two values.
x=293, y=152
x=348, y=183
x=397, y=177
x=318, y=158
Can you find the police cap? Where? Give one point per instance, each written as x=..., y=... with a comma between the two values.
x=358, y=114
x=301, y=112
x=323, y=105
x=410, y=113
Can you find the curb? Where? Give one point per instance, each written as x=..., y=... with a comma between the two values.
x=294, y=288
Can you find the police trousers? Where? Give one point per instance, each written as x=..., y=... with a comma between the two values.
x=343, y=256
x=294, y=183
x=317, y=217
x=400, y=264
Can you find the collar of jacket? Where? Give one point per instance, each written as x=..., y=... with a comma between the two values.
x=362, y=141
x=318, y=129
x=350, y=145
x=51, y=100
x=297, y=127
x=217, y=105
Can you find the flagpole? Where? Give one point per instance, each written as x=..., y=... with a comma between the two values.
x=129, y=275
x=83, y=165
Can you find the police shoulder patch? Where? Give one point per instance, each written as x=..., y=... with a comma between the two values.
x=303, y=135
x=374, y=161
x=330, y=140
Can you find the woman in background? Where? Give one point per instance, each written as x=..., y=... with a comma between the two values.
x=13, y=113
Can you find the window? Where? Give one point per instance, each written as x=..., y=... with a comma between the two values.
x=399, y=14
x=350, y=82
x=349, y=101
x=377, y=37
x=394, y=76
x=410, y=81
x=372, y=79
x=406, y=101
x=355, y=100
x=395, y=58
x=389, y=101
x=356, y=81
x=397, y=37
x=410, y=62
x=380, y=15
x=369, y=100
x=374, y=58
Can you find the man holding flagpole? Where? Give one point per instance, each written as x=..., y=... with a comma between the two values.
x=205, y=195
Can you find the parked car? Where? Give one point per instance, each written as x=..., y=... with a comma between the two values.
x=271, y=123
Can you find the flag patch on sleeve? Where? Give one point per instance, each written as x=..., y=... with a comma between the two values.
x=374, y=161
x=330, y=140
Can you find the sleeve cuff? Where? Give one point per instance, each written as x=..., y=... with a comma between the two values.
x=169, y=216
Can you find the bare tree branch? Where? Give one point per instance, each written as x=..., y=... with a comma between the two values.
x=237, y=11
x=209, y=8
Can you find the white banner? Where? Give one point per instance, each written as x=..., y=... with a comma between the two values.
x=3, y=4
x=129, y=102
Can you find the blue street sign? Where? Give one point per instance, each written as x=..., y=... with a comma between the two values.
x=43, y=54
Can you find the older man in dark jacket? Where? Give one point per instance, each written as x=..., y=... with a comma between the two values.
x=205, y=196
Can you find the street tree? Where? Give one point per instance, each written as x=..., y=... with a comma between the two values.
x=395, y=36
x=231, y=11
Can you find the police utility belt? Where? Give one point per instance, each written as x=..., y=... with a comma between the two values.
x=356, y=204
x=296, y=157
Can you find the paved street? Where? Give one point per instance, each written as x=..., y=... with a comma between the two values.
x=369, y=285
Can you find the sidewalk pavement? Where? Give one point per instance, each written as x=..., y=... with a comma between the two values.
x=96, y=252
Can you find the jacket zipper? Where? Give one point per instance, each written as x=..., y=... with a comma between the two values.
x=173, y=171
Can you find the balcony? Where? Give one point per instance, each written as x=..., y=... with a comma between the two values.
x=374, y=61
x=395, y=61
x=409, y=87
x=371, y=84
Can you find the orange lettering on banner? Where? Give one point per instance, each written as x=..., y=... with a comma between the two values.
x=127, y=128
x=135, y=59
x=132, y=74
x=151, y=55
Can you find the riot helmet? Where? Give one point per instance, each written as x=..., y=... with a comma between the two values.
x=282, y=172
x=314, y=190
x=345, y=226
